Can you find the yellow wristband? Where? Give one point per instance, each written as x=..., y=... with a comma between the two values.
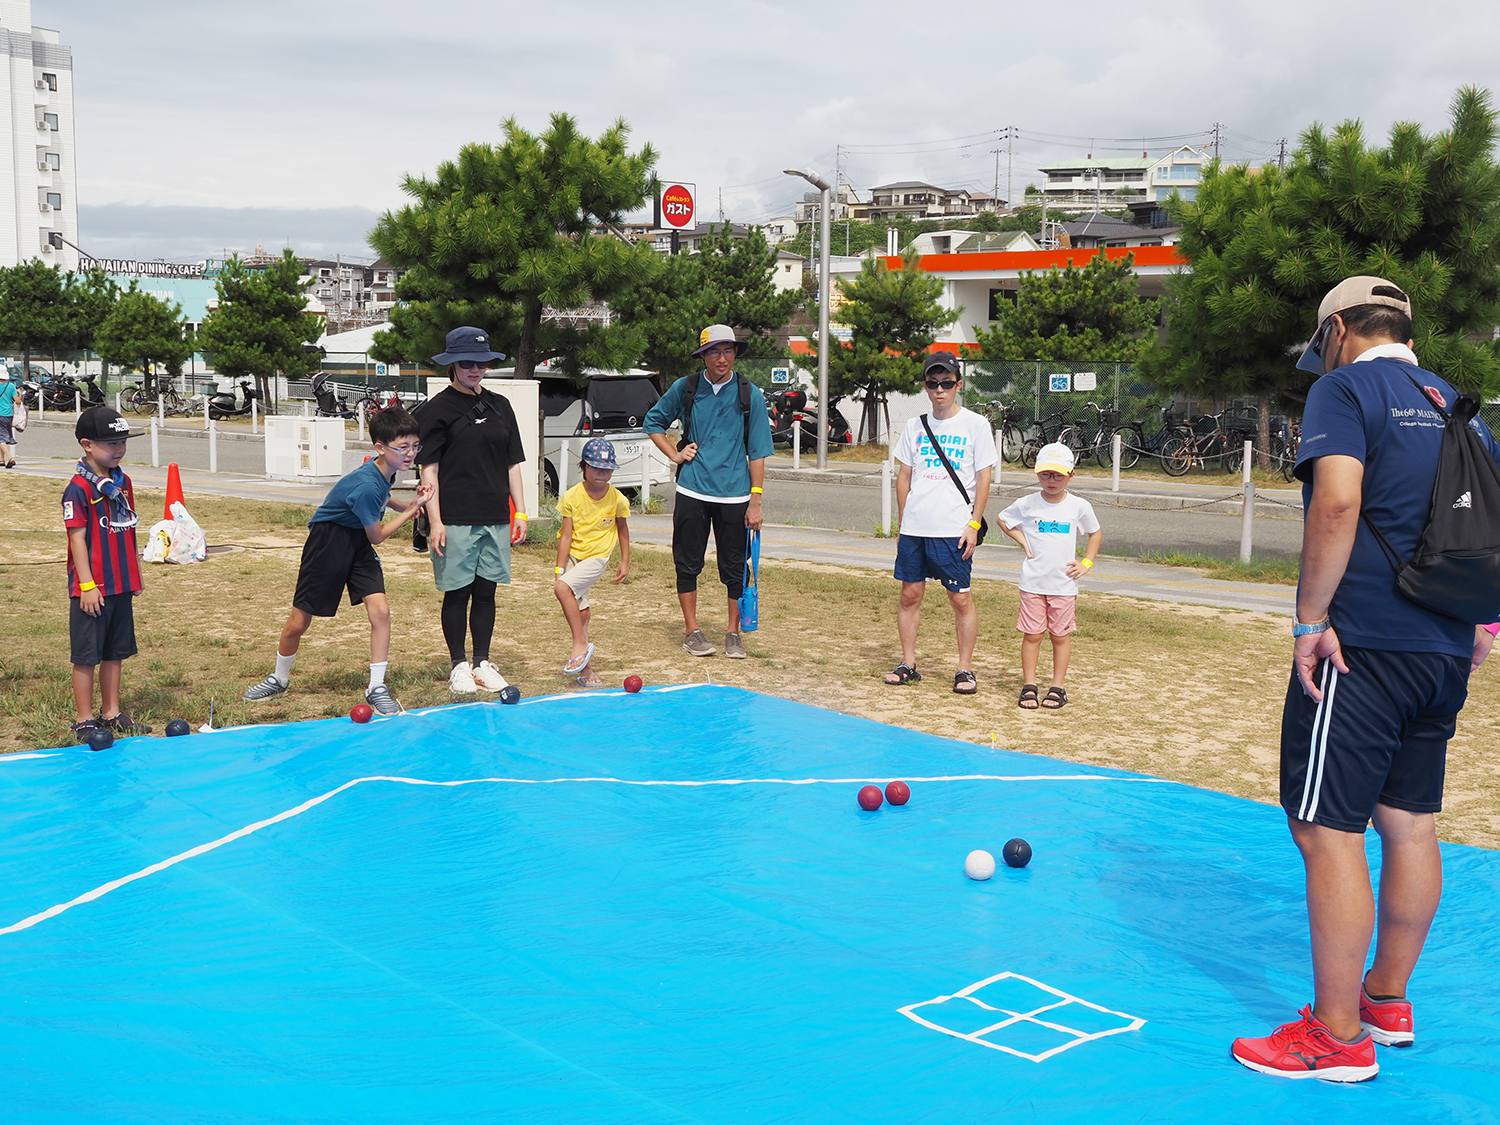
x=557, y=570
x=521, y=516
x=85, y=587
x=756, y=491
x=1088, y=564
x=974, y=524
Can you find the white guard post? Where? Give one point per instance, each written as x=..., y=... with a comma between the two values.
x=155, y=445
x=1114, y=483
x=213, y=447
x=1247, y=506
x=885, y=496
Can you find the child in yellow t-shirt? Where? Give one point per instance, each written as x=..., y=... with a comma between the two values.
x=593, y=520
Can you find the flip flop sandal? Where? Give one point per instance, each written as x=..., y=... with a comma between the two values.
x=1055, y=699
x=1028, y=700
x=576, y=665
x=590, y=679
x=905, y=674
x=965, y=684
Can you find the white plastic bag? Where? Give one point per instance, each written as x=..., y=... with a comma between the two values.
x=158, y=540
x=188, y=544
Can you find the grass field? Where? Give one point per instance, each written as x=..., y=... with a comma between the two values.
x=1185, y=692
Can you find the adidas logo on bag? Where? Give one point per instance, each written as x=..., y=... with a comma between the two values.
x=1463, y=501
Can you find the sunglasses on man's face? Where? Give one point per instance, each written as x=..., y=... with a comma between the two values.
x=945, y=385
x=471, y=364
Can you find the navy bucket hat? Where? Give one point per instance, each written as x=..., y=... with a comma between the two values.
x=467, y=343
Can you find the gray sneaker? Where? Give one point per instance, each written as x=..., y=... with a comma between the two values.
x=380, y=698
x=697, y=644
x=733, y=648
x=268, y=688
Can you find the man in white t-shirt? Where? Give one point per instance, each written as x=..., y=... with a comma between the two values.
x=1047, y=524
x=939, y=520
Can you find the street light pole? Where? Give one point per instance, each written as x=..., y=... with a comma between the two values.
x=823, y=297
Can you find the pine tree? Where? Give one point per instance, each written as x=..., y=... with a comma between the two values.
x=1088, y=314
x=894, y=317
x=1265, y=245
x=142, y=332
x=260, y=325
x=506, y=232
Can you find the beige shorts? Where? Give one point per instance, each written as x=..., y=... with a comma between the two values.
x=581, y=574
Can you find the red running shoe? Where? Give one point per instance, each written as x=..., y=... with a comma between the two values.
x=1387, y=1021
x=1307, y=1049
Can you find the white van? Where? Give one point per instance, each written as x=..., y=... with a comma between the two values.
x=610, y=405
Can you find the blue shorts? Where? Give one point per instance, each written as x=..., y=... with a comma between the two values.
x=1380, y=736
x=920, y=557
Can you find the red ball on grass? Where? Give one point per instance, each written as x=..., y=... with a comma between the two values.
x=870, y=798
x=361, y=712
x=898, y=792
x=633, y=684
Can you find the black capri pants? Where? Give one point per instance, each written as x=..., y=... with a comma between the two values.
x=691, y=520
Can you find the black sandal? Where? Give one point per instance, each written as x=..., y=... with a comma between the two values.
x=1028, y=695
x=904, y=673
x=964, y=683
x=1055, y=700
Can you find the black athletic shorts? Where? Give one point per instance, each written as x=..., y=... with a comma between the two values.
x=1380, y=736
x=110, y=636
x=691, y=520
x=333, y=558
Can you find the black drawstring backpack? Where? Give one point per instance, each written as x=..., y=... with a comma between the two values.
x=1456, y=568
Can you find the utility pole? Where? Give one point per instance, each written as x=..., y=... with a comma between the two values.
x=1218, y=131
x=996, y=153
x=1281, y=154
x=1010, y=162
x=721, y=207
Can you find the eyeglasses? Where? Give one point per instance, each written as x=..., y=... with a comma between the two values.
x=404, y=450
x=728, y=349
x=945, y=385
x=471, y=364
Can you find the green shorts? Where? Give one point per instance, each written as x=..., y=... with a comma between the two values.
x=473, y=550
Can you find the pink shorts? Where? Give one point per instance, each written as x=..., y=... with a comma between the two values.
x=1047, y=613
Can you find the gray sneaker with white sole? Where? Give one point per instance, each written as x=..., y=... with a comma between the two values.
x=733, y=647
x=697, y=644
x=380, y=698
x=268, y=688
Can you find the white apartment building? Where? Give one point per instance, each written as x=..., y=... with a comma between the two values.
x=1105, y=182
x=36, y=134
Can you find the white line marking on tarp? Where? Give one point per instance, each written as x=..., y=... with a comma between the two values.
x=313, y=802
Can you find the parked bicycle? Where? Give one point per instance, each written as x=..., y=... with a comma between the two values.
x=1207, y=441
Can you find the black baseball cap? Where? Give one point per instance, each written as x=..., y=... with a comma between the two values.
x=100, y=423
x=942, y=361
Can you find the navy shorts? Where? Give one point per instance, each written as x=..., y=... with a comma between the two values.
x=336, y=558
x=920, y=557
x=1380, y=736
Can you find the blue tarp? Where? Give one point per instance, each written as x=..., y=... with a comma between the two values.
x=749, y=950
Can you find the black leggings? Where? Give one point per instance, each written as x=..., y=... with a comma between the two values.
x=481, y=619
x=691, y=521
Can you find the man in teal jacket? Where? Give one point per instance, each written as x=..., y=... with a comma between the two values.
x=720, y=466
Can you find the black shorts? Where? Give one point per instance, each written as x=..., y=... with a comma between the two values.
x=333, y=558
x=1380, y=736
x=691, y=520
x=110, y=636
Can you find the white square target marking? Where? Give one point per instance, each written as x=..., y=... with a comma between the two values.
x=1020, y=1016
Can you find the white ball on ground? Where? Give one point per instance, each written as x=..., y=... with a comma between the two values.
x=980, y=865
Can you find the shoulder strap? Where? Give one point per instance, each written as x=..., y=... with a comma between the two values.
x=943, y=457
x=1385, y=545
x=745, y=407
x=689, y=392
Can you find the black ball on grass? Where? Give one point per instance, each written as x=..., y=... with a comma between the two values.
x=510, y=694
x=178, y=727
x=1017, y=852
x=101, y=738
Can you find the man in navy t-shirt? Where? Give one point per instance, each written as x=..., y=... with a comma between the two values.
x=1376, y=686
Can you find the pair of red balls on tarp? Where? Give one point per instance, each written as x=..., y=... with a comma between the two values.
x=897, y=793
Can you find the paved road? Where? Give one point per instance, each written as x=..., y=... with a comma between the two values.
x=847, y=500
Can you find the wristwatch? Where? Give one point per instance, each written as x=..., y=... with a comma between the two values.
x=1301, y=630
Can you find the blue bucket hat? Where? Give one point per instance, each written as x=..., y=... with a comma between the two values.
x=599, y=454
x=467, y=343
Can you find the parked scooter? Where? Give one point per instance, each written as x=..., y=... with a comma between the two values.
x=66, y=393
x=226, y=404
x=330, y=405
x=789, y=408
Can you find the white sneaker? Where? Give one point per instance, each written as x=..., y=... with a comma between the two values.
x=488, y=677
x=461, y=679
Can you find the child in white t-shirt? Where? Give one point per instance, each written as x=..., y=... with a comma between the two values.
x=1046, y=524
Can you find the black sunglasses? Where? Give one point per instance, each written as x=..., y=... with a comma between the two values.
x=470, y=364
x=934, y=385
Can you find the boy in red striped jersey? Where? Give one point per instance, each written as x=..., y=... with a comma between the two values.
x=104, y=571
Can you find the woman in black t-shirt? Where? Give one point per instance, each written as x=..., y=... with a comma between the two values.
x=471, y=456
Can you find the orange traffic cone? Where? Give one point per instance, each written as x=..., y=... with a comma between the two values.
x=174, y=489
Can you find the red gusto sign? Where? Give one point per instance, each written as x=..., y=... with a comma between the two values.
x=679, y=205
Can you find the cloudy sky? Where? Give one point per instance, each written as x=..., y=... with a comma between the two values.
x=205, y=125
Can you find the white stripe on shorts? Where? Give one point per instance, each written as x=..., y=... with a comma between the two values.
x=1317, y=750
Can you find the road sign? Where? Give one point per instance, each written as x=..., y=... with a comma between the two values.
x=1059, y=383
x=380, y=369
x=781, y=374
x=679, y=205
